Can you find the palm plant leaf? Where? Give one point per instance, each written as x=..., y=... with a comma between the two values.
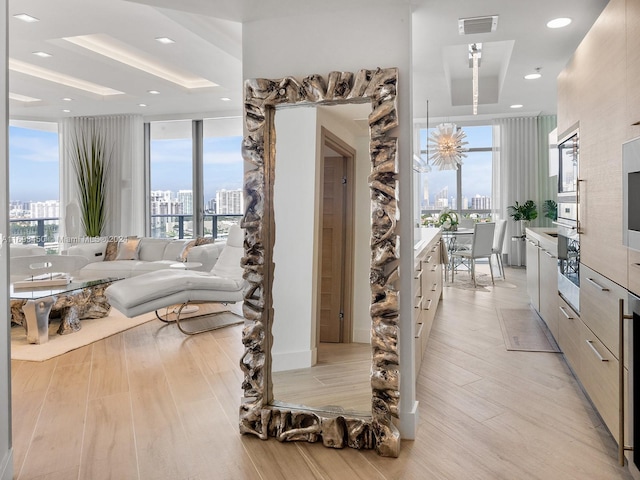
x=91, y=160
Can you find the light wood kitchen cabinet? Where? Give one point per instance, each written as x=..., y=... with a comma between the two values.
x=542, y=274
x=569, y=335
x=427, y=288
x=548, y=285
x=599, y=67
x=633, y=68
x=533, y=272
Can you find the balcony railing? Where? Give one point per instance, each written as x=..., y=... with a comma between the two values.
x=181, y=225
x=43, y=232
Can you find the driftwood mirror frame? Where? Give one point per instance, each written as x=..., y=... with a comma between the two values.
x=258, y=414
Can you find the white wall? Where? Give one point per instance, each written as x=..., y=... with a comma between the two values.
x=350, y=40
x=295, y=192
x=6, y=453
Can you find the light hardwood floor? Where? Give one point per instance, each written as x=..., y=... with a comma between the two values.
x=152, y=404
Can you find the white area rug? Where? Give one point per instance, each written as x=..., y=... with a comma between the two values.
x=92, y=330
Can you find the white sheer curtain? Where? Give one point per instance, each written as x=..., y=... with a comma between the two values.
x=515, y=173
x=126, y=193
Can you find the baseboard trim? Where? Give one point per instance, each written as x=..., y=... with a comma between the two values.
x=292, y=360
x=408, y=423
x=6, y=468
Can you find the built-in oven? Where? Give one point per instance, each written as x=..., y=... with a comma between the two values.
x=568, y=220
x=631, y=193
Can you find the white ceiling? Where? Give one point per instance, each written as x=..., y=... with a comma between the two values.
x=208, y=36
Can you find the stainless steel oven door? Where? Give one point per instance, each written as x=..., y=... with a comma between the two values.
x=569, y=265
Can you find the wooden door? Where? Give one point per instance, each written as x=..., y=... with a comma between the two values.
x=332, y=259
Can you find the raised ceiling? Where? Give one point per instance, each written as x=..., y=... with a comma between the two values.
x=208, y=51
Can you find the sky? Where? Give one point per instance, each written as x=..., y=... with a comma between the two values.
x=33, y=165
x=34, y=171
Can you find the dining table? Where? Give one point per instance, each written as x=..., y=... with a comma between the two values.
x=454, y=240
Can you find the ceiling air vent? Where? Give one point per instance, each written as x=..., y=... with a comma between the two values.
x=470, y=26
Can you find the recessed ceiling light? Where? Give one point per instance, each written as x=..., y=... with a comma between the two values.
x=67, y=99
x=26, y=18
x=516, y=105
x=66, y=110
x=558, y=22
x=123, y=53
x=22, y=98
x=165, y=40
x=142, y=104
x=61, y=78
x=532, y=76
x=153, y=92
x=42, y=54
x=225, y=99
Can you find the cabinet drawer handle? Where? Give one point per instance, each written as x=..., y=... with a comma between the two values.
x=428, y=307
x=597, y=285
x=428, y=259
x=419, y=332
x=532, y=243
x=593, y=348
x=565, y=313
x=636, y=265
x=435, y=287
x=435, y=267
x=418, y=303
x=418, y=275
x=549, y=254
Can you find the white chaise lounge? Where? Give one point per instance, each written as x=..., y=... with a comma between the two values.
x=165, y=288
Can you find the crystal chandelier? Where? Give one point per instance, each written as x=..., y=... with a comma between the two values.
x=447, y=142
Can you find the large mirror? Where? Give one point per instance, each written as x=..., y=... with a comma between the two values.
x=321, y=352
x=261, y=413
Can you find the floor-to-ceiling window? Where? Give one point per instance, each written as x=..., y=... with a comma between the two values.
x=174, y=198
x=466, y=190
x=171, y=174
x=222, y=175
x=34, y=187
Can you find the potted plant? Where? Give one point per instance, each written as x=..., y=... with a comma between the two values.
x=448, y=220
x=91, y=160
x=523, y=214
x=550, y=209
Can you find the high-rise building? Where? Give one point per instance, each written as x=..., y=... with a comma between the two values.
x=481, y=202
x=46, y=209
x=425, y=193
x=441, y=199
x=229, y=202
x=186, y=198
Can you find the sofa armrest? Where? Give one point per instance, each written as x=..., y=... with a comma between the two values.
x=207, y=255
x=94, y=252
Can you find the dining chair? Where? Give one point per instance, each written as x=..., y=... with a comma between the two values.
x=481, y=247
x=498, y=245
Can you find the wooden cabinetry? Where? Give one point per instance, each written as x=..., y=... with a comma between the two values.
x=542, y=275
x=427, y=291
x=633, y=68
x=533, y=273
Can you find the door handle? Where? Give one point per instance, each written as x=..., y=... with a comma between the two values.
x=565, y=313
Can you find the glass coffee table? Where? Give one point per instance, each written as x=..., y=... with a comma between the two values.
x=79, y=299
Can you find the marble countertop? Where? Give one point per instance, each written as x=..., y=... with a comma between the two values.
x=543, y=234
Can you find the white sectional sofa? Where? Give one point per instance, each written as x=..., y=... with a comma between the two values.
x=147, y=255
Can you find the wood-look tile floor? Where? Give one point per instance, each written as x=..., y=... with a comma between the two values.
x=150, y=403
